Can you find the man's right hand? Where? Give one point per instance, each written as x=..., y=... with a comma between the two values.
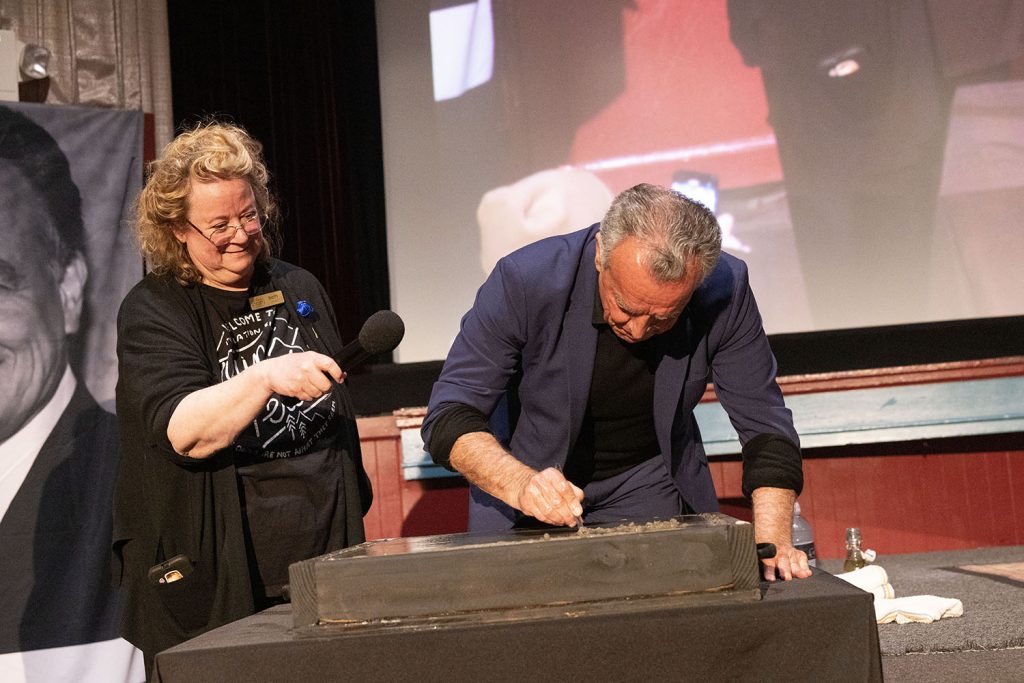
x=546, y=495
x=550, y=498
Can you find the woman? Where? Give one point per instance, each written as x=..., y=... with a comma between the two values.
x=239, y=453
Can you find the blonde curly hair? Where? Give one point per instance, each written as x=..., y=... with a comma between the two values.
x=207, y=152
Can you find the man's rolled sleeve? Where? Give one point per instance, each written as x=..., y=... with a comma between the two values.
x=452, y=421
x=772, y=460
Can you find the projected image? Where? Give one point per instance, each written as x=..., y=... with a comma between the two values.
x=862, y=157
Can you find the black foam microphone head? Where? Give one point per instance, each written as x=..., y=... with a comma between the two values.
x=381, y=332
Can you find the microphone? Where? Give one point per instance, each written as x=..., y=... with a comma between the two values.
x=381, y=333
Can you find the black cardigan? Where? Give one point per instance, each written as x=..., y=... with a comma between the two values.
x=165, y=503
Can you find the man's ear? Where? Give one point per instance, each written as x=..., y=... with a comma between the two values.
x=72, y=291
x=597, y=253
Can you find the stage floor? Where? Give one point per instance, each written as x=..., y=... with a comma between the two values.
x=986, y=643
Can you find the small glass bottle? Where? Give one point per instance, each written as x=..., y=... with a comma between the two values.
x=854, y=555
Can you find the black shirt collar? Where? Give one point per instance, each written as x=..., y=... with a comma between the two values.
x=598, y=315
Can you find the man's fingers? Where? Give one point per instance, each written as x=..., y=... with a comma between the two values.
x=788, y=564
x=568, y=495
x=800, y=565
x=547, y=498
x=552, y=499
x=576, y=504
x=536, y=498
x=783, y=568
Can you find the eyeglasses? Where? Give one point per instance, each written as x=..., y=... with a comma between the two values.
x=221, y=235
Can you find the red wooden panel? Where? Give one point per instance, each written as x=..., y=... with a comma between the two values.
x=846, y=480
x=1006, y=510
x=919, y=503
x=909, y=512
x=978, y=495
x=952, y=489
x=728, y=479
x=372, y=520
x=817, y=507
x=980, y=514
x=733, y=478
x=406, y=508
x=976, y=525
x=1015, y=516
x=874, y=507
x=997, y=497
x=435, y=506
x=715, y=468
x=387, y=492
x=896, y=482
x=915, y=503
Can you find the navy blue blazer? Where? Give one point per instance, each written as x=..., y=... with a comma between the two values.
x=531, y=330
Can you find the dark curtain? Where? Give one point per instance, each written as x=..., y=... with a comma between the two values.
x=302, y=78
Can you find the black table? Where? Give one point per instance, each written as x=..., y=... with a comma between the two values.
x=815, y=629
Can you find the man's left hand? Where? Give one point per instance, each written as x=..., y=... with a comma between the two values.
x=787, y=564
x=773, y=523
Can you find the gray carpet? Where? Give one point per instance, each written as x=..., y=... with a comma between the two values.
x=986, y=643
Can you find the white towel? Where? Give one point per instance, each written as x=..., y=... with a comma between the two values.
x=917, y=608
x=866, y=578
x=883, y=592
x=914, y=608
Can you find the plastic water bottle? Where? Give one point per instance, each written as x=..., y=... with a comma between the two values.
x=803, y=536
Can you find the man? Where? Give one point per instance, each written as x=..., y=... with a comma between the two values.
x=600, y=343
x=58, y=449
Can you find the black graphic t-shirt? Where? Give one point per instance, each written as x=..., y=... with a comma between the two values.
x=288, y=476
x=286, y=426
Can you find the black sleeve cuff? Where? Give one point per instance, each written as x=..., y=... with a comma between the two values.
x=452, y=422
x=772, y=460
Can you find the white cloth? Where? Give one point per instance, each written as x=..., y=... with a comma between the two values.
x=883, y=592
x=867, y=578
x=922, y=609
x=910, y=609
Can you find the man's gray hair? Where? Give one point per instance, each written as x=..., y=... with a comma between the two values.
x=672, y=230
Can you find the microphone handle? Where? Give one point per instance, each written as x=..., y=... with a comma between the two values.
x=352, y=355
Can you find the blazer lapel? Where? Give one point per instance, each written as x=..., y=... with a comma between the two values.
x=580, y=343
x=669, y=379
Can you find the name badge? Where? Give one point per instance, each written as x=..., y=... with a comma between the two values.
x=266, y=300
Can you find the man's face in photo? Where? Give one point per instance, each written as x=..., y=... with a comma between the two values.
x=40, y=302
